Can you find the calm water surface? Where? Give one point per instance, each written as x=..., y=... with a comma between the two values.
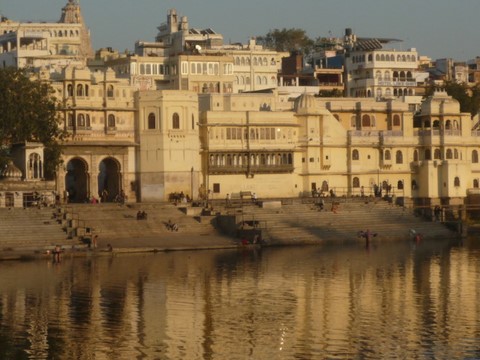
x=392, y=301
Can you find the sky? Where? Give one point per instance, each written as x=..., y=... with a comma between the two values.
x=436, y=28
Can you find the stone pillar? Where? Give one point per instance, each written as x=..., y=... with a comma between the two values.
x=93, y=185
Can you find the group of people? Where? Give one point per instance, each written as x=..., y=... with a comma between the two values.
x=171, y=225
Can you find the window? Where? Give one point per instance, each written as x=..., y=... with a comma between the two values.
x=151, y=121
x=70, y=120
x=79, y=90
x=185, y=68
x=437, y=154
x=388, y=155
x=366, y=121
x=111, y=121
x=356, y=182
x=449, y=154
x=110, y=91
x=400, y=185
x=175, y=121
x=456, y=181
x=396, y=120
x=475, y=156
x=355, y=155
x=475, y=183
x=399, y=157
x=81, y=120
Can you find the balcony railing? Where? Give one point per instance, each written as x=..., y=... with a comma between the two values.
x=257, y=169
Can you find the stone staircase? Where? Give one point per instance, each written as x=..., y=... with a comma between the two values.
x=299, y=222
x=295, y=222
x=31, y=228
x=113, y=221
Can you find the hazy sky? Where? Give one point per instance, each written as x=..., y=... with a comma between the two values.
x=436, y=28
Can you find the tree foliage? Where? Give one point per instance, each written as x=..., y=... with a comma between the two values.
x=330, y=93
x=287, y=40
x=28, y=112
x=468, y=97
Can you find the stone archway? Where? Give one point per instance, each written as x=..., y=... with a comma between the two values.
x=109, y=179
x=76, y=180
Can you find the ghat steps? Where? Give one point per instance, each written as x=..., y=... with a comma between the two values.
x=292, y=223
x=299, y=222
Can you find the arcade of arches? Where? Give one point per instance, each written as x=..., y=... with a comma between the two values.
x=81, y=184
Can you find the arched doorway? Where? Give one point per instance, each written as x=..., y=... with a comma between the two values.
x=76, y=180
x=109, y=179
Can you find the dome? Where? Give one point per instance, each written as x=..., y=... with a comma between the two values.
x=11, y=172
x=305, y=104
x=308, y=104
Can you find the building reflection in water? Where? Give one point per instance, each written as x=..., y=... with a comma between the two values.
x=417, y=301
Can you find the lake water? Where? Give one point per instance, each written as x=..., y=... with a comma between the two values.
x=390, y=301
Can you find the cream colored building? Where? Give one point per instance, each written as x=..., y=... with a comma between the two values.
x=250, y=142
x=40, y=44
x=98, y=114
x=156, y=125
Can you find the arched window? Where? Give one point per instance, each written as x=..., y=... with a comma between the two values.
x=366, y=121
x=475, y=183
x=448, y=124
x=175, y=121
x=70, y=90
x=415, y=155
x=355, y=155
x=399, y=157
x=475, y=156
x=35, y=166
x=111, y=121
x=456, y=181
x=356, y=182
x=437, y=154
x=455, y=153
x=400, y=185
x=79, y=90
x=396, y=120
x=81, y=120
x=387, y=155
x=449, y=154
x=70, y=120
x=151, y=121
x=87, y=120
x=110, y=91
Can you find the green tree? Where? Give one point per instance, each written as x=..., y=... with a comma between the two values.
x=28, y=112
x=287, y=40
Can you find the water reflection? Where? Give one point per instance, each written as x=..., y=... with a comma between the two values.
x=400, y=300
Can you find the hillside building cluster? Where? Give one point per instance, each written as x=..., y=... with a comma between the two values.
x=188, y=114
